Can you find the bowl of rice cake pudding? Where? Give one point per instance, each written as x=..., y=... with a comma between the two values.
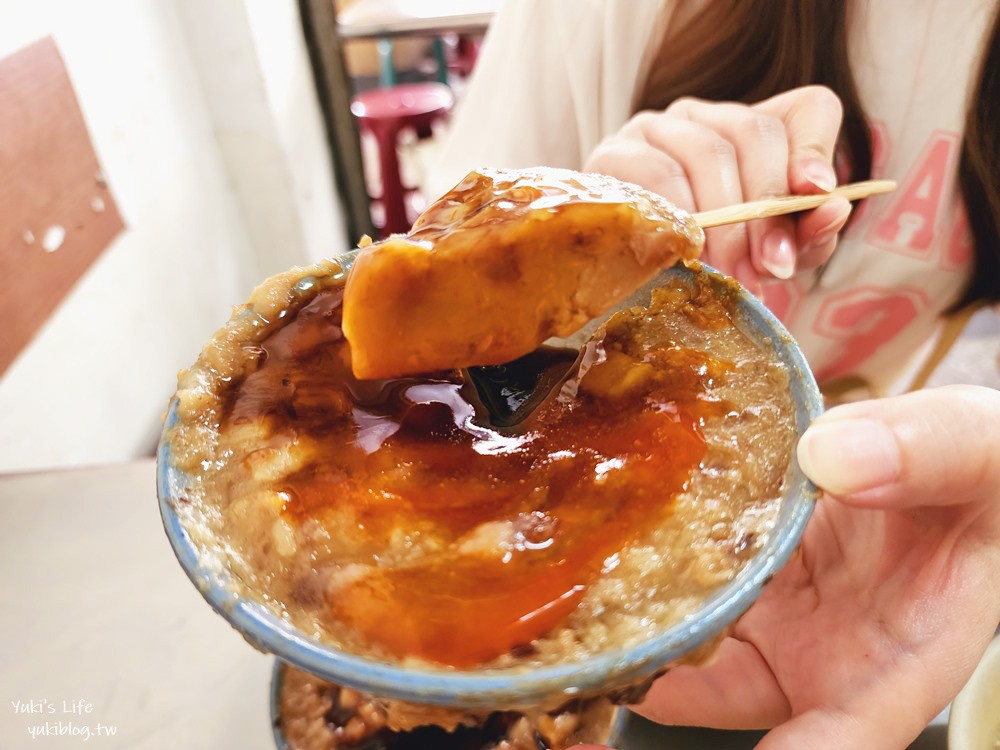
x=528, y=455
x=308, y=713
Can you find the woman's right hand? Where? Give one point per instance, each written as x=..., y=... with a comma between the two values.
x=702, y=155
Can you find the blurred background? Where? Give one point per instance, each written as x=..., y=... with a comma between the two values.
x=159, y=158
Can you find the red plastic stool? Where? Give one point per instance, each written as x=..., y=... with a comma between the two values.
x=465, y=55
x=384, y=113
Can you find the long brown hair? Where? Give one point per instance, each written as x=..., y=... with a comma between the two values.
x=748, y=50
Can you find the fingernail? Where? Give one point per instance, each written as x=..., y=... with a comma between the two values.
x=820, y=174
x=845, y=213
x=847, y=456
x=777, y=254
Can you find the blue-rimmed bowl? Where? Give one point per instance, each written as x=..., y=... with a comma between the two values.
x=550, y=685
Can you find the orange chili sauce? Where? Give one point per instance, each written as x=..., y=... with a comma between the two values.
x=577, y=479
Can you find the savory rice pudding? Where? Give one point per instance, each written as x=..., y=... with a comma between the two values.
x=504, y=517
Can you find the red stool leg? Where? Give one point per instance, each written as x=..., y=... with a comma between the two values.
x=466, y=54
x=393, y=193
x=423, y=124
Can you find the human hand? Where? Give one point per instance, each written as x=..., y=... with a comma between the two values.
x=880, y=619
x=702, y=155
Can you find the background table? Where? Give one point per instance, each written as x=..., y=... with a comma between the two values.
x=373, y=19
x=95, y=607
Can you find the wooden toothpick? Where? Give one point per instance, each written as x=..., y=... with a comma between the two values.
x=789, y=204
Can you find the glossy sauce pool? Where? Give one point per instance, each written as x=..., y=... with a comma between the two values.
x=532, y=513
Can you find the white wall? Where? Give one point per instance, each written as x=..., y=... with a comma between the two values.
x=92, y=385
x=260, y=93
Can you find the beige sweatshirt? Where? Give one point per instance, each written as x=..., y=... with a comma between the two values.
x=557, y=76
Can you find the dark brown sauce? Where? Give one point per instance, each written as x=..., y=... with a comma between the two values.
x=493, y=731
x=511, y=392
x=489, y=733
x=569, y=481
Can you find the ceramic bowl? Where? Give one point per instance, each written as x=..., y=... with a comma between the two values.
x=614, y=669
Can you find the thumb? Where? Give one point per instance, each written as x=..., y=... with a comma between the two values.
x=933, y=447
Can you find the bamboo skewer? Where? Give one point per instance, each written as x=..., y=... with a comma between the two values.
x=788, y=204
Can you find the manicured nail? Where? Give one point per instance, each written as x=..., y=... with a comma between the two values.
x=846, y=456
x=820, y=174
x=777, y=254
